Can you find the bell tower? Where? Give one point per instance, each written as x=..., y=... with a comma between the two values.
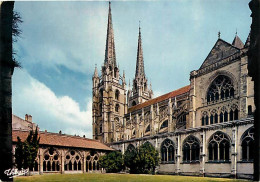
x=109, y=94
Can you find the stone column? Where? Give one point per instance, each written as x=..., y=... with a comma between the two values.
x=234, y=152
x=170, y=124
x=178, y=170
x=41, y=162
x=84, y=162
x=203, y=153
x=152, y=121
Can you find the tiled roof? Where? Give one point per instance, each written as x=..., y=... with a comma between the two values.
x=63, y=140
x=160, y=98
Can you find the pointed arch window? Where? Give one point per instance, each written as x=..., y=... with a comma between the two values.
x=167, y=151
x=147, y=129
x=248, y=143
x=117, y=95
x=219, y=147
x=164, y=124
x=221, y=87
x=191, y=149
x=117, y=108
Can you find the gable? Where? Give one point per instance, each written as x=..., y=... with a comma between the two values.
x=221, y=50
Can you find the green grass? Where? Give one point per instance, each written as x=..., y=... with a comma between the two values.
x=116, y=177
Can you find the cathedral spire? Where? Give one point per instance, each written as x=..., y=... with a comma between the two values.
x=139, y=62
x=110, y=55
x=96, y=72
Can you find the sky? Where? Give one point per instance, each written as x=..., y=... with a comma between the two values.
x=62, y=41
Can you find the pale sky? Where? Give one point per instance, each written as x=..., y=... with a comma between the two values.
x=62, y=41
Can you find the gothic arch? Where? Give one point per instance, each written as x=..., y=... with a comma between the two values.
x=164, y=124
x=51, y=159
x=167, y=151
x=147, y=129
x=191, y=149
x=117, y=94
x=130, y=147
x=216, y=75
x=247, y=143
x=219, y=146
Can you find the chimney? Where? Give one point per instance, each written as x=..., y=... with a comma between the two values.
x=60, y=132
x=84, y=136
x=28, y=117
x=45, y=131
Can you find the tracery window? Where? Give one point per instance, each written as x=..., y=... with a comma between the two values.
x=191, y=149
x=73, y=161
x=221, y=88
x=219, y=146
x=51, y=160
x=248, y=143
x=167, y=151
x=164, y=124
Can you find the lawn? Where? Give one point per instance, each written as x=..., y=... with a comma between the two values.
x=116, y=177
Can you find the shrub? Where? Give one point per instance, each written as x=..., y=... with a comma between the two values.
x=113, y=162
x=142, y=160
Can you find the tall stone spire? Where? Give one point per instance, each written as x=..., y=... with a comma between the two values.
x=110, y=54
x=139, y=72
x=140, y=92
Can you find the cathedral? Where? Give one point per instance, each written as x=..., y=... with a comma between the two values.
x=204, y=128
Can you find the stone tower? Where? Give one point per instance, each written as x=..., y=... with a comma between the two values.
x=140, y=92
x=109, y=93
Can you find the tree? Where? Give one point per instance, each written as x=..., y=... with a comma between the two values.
x=113, y=162
x=129, y=158
x=26, y=152
x=143, y=160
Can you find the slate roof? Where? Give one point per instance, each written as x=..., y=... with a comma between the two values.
x=161, y=98
x=238, y=43
x=55, y=139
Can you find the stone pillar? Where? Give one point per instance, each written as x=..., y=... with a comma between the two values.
x=178, y=170
x=137, y=132
x=41, y=162
x=123, y=148
x=203, y=153
x=234, y=152
x=170, y=124
x=6, y=71
x=84, y=162
x=152, y=121
x=253, y=71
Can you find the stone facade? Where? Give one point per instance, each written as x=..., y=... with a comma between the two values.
x=205, y=128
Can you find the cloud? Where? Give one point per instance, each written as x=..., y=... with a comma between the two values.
x=71, y=34
x=49, y=111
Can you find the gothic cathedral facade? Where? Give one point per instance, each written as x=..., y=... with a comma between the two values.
x=204, y=128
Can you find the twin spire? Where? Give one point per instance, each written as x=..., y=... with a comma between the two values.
x=139, y=61
x=110, y=54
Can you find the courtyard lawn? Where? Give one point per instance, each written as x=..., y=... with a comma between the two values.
x=116, y=177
